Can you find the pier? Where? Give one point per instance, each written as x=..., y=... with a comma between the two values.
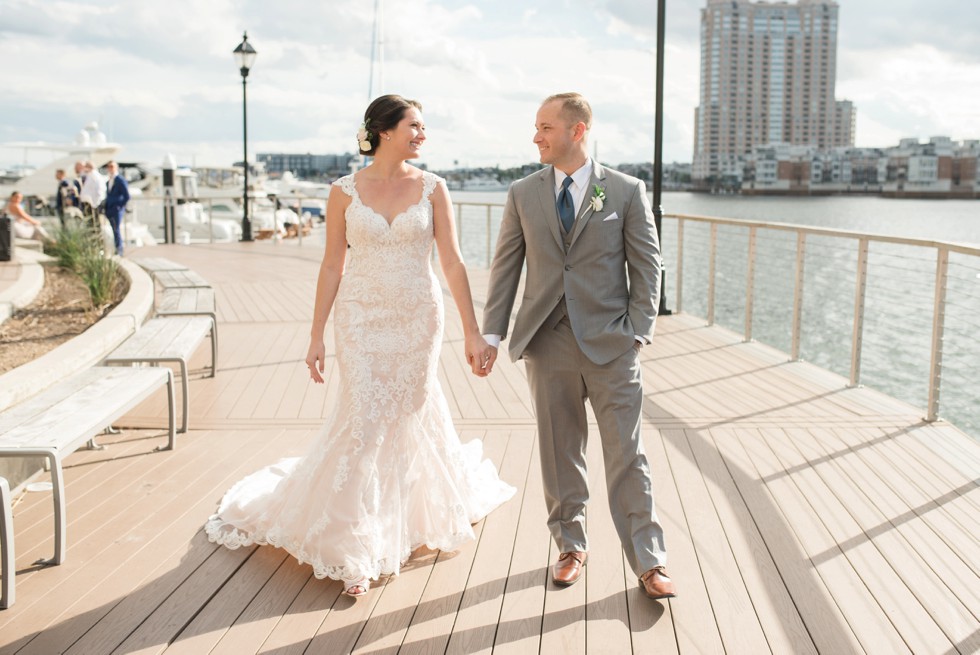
x=802, y=514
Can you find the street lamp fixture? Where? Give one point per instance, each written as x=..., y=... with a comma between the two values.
x=245, y=57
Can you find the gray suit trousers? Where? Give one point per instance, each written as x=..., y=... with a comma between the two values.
x=561, y=378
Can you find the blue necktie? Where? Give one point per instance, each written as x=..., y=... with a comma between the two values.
x=566, y=208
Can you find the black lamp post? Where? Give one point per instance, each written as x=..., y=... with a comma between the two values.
x=658, y=137
x=244, y=57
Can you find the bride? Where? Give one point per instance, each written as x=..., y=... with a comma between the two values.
x=387, y=473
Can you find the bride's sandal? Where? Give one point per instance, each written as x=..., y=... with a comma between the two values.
x=357, y=588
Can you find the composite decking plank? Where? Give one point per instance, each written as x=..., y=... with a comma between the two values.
x=491, y=575
x=935, y=505
x=522, y=606
x=299, y=623
x=253, y=626
x=254, y=392
x=905, y=613
x=290, y=367
x=607, y=624
x=773, y=603
x=433, y=620
x=94, y=588
x=815, y=601
x=691, y=611
x=734, y=611
x=174, y=554
x=950, y=614
x=860, y=608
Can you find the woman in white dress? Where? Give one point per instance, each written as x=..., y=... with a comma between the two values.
x=387, y=473
x=25, y=225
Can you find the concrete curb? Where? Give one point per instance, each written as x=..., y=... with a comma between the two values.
x=30, y=282
x=88, y=348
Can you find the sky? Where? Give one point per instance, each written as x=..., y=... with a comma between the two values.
x=159, y=77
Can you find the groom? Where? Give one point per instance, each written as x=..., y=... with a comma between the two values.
x=590, y=301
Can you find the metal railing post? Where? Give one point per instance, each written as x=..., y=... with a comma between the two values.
x=489, y=245
x=938, y=325
x=680, y=265
x=750, y=283
x=860, y=290
x=712, y=251
x=798, y=294
x=458, y=209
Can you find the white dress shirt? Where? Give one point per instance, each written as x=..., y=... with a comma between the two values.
x=93, y=189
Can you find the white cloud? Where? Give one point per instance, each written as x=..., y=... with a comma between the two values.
x=161, y=76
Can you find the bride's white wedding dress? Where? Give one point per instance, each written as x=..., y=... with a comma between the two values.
x=387, y=473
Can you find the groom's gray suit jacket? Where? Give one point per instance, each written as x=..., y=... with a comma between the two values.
x=609, y=275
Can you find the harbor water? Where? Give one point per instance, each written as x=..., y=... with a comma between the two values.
x=896, y=346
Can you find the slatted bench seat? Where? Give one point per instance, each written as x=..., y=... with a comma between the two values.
x=154, y=265
x=190, y=302
x=170, y=339
x=185, y=279
x=56, y=422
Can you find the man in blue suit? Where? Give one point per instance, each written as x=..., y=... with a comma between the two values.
x=117, y=195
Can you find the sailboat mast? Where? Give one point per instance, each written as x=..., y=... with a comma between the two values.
x=377, y=50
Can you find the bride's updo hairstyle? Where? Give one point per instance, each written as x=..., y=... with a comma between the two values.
x=384, y=113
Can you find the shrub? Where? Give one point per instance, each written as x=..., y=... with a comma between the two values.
x=82, y=250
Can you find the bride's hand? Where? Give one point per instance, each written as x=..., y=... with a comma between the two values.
x=314, y=361
x=479, y=355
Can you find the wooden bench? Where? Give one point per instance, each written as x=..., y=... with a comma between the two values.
x=56, y=422
x=191, y=301
x=154, y=265
x=185, y=279
x=7, y=569
x=165, y=340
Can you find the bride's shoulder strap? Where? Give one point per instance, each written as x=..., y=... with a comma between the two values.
x=346, y=184
x=429, y=182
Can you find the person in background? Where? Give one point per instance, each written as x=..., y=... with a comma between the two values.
x=25, y=225
x=66, y=196
x=117, y=195
x=93, y=191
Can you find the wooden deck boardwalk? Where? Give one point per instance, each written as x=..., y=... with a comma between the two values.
x=801, y=516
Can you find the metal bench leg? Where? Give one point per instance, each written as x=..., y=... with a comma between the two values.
x=58, y=491
x=171, y=411
x=184, y=400
x=214, y=346
x=7, y=568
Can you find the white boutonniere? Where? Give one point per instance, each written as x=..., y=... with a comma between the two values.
x=598, y=198
x=364, y=136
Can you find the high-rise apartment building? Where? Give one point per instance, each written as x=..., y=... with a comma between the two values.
x=844, y=118
x=768, y=73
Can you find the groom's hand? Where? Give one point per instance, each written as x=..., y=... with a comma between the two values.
x=477, y=355
x=488, y=366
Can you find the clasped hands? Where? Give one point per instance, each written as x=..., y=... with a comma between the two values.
x=480, y=355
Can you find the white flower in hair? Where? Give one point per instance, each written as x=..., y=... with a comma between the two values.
x=364, y=136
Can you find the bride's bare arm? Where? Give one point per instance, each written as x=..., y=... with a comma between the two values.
x=331, y=270
x=454, y=270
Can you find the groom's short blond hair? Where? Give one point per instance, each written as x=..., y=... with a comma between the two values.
x=574, y=108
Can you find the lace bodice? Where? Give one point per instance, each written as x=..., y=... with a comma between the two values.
x=403, y=246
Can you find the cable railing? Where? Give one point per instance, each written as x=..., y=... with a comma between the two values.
x=912, y=319
x=897, y=314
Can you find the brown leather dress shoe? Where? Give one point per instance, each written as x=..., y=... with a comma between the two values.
x=657, y=584
x=569, y=567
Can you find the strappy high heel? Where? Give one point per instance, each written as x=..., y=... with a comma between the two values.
x=357, y=588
